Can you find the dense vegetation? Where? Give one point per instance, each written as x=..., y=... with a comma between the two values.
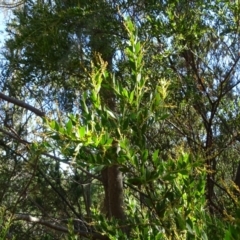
x=120, y=120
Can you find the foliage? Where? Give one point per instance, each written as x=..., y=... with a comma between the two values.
x=170, y=198
x=141, y=105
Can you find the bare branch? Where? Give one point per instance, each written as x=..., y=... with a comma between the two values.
x=29, y=218
x=13, y=136
x=3, y=4
x=22, y=104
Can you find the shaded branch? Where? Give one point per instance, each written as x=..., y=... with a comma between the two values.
x=22, y=104
x=14, y=136
x=17, y=138
x=11, y=5
x=57, y=227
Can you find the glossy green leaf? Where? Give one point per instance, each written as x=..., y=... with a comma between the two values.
x=81, y=132
x=69, y=127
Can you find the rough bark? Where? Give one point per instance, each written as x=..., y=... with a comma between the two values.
x=237, y=178
x=115, y=188
x=112, y=180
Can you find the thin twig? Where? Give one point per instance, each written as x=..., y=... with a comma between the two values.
x=29, y=218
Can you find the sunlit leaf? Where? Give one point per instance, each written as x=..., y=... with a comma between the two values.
x=69, y=126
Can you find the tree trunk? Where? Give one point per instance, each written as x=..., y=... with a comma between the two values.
x=115, y=192
x=112, y=178
x=237, y=179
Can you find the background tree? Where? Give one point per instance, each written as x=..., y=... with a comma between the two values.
x=168, y=86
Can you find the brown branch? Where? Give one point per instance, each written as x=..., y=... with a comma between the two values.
x=14, y=136
x=11, y=5
x=23, y=192
x=22, y=104
x=29, y=218
x=223, y=189
x=59, y=194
